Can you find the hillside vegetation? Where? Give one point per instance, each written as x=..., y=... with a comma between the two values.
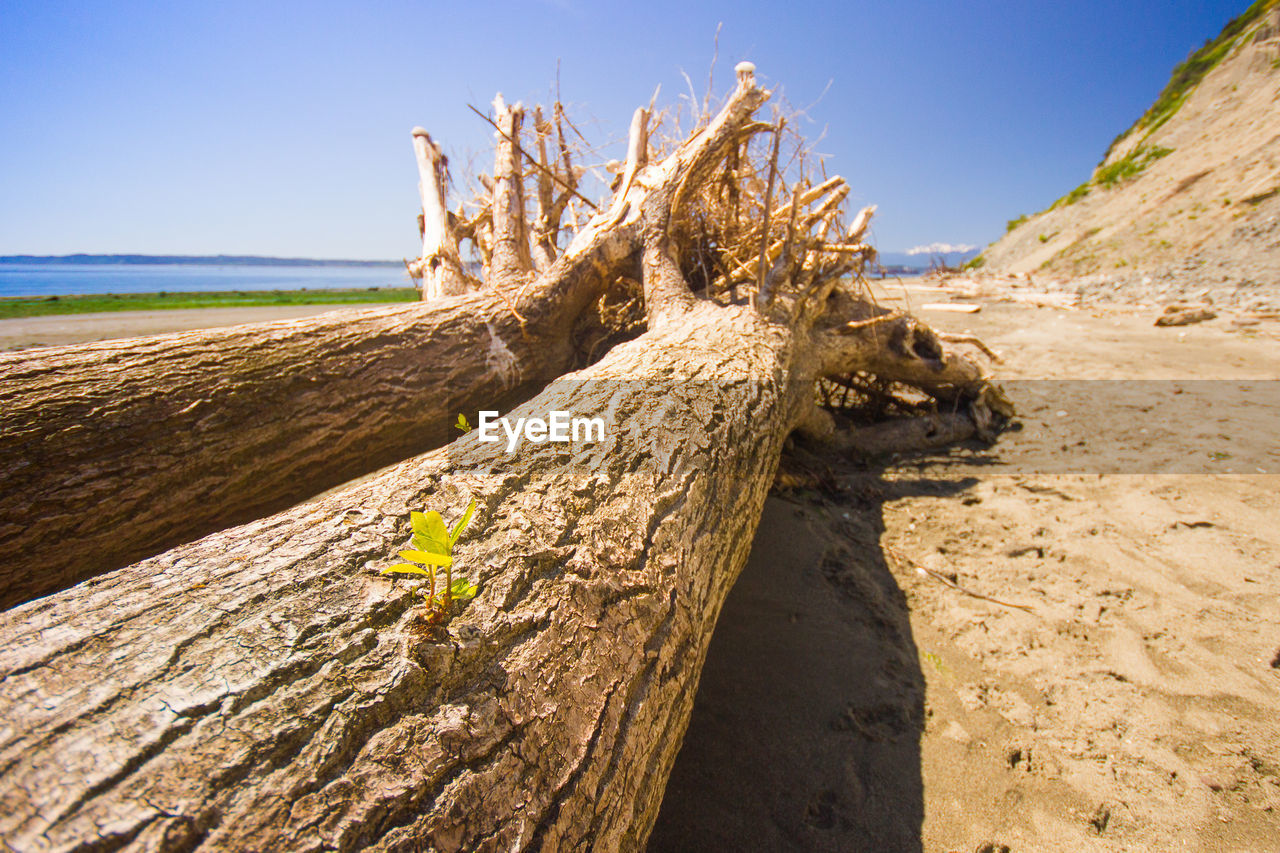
x=1184, y=203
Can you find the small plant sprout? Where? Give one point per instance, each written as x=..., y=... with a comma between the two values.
x=433, y=547
x=462, y=423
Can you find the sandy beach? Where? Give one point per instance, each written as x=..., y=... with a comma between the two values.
x=858, y=695
x=959, y=652
x=23, y=333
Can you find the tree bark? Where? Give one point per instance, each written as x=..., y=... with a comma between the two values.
x=114, y=451
x=265, y=688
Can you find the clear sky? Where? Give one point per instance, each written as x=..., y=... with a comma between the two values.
x=282, y=128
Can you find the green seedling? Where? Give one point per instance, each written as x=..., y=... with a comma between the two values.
x=432, y=548
x=462, y=423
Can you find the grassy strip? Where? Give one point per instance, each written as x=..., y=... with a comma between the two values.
x=1129, y=166
x=1123, y=170
x=1188, y=74
x=40, y=306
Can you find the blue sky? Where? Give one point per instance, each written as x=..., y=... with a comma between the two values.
x=282, y=128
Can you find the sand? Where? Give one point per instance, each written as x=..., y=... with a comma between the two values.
x=22, y=333
x=852, y=702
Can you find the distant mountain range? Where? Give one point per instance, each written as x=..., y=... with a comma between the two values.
x=923, y=257
x=204, y=260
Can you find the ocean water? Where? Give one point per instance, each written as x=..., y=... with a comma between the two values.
x=67, y=279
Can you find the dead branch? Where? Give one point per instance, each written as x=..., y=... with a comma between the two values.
x=440, y=267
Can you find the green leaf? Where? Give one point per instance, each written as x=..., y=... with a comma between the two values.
x=462, y=588
x=462, y=423
x=430, y=526
x=428, y=558
x=462, y=524
x=405, y=568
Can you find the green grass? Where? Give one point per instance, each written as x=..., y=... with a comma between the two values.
x=1072, y=197
x=1014, y=223
x=1188, y=74
x=41, y=306
x=1129, y=166
x=1122, y=170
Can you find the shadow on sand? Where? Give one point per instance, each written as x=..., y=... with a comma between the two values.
x=806, y=729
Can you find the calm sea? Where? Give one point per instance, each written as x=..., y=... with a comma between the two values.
x=66, y=279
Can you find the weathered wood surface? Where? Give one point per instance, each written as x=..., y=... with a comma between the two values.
x=113, y=451
x=116, y=450
x=264, y=689
x=440, y=266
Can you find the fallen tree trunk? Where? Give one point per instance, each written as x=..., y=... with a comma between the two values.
x=265, y=689
x=114, y=451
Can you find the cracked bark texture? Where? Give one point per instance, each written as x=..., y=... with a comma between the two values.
x=113, y=451
x=264, y=689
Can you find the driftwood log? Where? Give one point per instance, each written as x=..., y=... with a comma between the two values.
x=114, y=451
x=265, y=689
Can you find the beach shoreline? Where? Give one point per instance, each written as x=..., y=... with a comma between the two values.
x=56, y=330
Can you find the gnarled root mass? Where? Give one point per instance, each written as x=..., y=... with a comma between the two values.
x=265, y=689
x=700, y=215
